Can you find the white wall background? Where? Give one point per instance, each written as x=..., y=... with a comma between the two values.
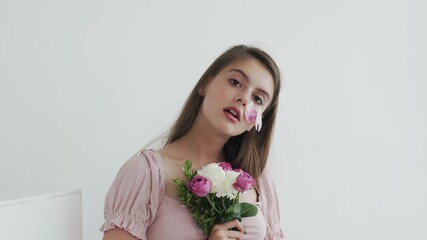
x=85, y=84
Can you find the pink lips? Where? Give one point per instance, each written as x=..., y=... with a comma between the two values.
x=232, y=113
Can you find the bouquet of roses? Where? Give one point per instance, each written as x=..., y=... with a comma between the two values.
x=212, y=194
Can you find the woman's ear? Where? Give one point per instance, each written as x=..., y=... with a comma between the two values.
x=202, y=91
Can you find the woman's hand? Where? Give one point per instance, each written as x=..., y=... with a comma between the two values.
x=223, y=231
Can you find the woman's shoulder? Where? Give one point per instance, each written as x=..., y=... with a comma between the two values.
x=143, y=167
x=144, y=159
x=171, y=156
x=135, y=195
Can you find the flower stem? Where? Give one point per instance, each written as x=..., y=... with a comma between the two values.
x=212, y=204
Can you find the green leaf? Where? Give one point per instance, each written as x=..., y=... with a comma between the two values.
x=230, y=216
x=236, y=208
x=248, y=210
x=187, y=170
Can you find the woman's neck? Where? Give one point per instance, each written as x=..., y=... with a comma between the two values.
x=202, y=149
x=202, y=143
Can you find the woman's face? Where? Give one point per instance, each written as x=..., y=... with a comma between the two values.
x=245, y=83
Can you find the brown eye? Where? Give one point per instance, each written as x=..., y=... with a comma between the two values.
x=258, y=100
x=235, y=82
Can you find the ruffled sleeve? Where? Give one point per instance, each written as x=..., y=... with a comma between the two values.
x=135, y=195
x=270, y=206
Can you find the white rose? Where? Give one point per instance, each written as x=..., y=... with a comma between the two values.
x=214, y=173
x=225, y=188
x=222, y=181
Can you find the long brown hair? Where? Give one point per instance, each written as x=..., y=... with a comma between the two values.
x=249, y=150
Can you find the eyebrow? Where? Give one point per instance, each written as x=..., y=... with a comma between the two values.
x=245, y=76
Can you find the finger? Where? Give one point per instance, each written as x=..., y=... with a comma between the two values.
x=239, y=226
x=233, y=224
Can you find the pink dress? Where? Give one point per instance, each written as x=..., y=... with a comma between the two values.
x=137, y=203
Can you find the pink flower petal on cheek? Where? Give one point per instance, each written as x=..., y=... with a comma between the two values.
x=250, y=116
x=250, y=113
x=254, y=116
x=258, y=121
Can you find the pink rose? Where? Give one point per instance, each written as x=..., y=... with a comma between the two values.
x=244, y=182
x=225, y=166
x=199, y=185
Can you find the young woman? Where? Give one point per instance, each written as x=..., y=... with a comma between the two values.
x=142, y=202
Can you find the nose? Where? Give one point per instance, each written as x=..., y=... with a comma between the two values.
x=242, y=98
